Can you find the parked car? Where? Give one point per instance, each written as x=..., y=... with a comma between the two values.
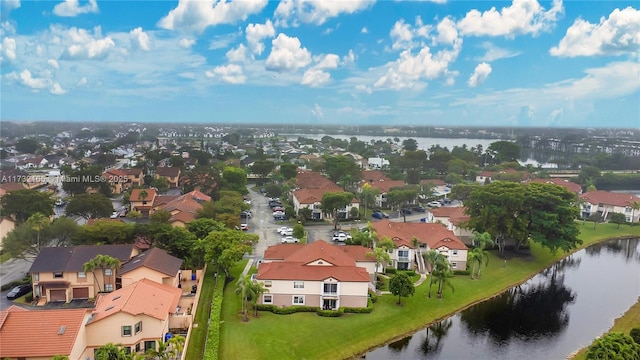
x=419, y=209
x=114, y=215
x=246, y=213
x=278, y=208
x=434, y=204
x=282, y=229
x=287, y=232
x=289, y=240
x=446, y=201
x=279, y=217
x=406, y=211
x=341, y=236
x=18, y=291
x=377, y=215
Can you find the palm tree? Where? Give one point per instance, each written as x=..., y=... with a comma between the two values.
x=381, y=255
x=111, y=351
x=442, y=273
x=431, y=257
x=244, y=287
x=38, y=222
x=168, y=350
x=101, y=262
x=635, y=205
x=258, y=290
x=478, y=255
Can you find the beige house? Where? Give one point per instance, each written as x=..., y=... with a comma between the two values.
x=605, y=203
x=377, y=180
x=142, y=200
x=183, y=208
x=172, y=174
x=154, y=264
x=311, y=188
x=57, y=272
x=318, y=275
x=453, y=218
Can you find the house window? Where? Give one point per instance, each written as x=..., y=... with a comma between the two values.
x=455, y=252
x=81, y=275
x=126, y=330
x=149, y=345
x=127, y=350
x=108, y=287
x=403, y=253
x=390, y=251
x=454, y=265
x=267, y=283
x=36, y=276
x=330, y=288
x=57, y=275
x=108, y=272
x=298, y=284
x=267, y=299
x=138, y=347
x=298, y=300
x=138, y=327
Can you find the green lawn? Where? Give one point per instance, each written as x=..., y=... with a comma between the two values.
x=308, y=336
x=4, y=257
x=628, y=321
x=199, y=334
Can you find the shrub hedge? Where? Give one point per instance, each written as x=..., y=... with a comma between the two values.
x=331, y=313
x=461, y=272
x=390, y=271
x=213, y=337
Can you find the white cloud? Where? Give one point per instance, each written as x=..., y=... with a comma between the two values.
x=315, y=77
x=8, y=5
x=287, y=55
x=56, y=89
x=238, y=54
x=316, y=11
x=480, y=74
x=317, y=111
x=618, y=34
x=447, y=32
x=186, y=42
x=222, y=41
x=84, y=45
x=257, y=32
x=8, y=49
x=82, y=81
x=364, y=30
x=329, y=61
x=401, y=35
x=196, y=16
x=493, y=52
x=231, y=74
x=28, y=80
x=140, y=39
x=522, y=17
x=53, y=63
x=349, y=59
x=70, y=8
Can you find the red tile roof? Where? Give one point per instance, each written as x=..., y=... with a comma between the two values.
x=142, y=297
x=168, y=171
x=314, y=180
x=135, y=194
x=372, y=176
x=297, y=271
x=36, y=333
x=571, y=186
x=431, y=234
x=321, y=250
x=385, y=185
x=610, y=198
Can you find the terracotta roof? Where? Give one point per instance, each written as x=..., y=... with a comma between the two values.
x=168, y=171
x=314, y=180
x=571, y=186
x=431, y=234
x=184, y=207
x=434, y=182
x=318, y=250
x=135, y=194
x=164, y=199
x=609, y=198
x=72, y=258
x=39, y=333
x=285, y=251
x=281, y=251
x=155, y=259
x=143, y=297
x=357, y=252
x=132, y=171
x=448, y=211
x=372, y=176
x=309, y=196
x=385, y=185
x=12, y=186
x=298, y=271
x=113, y=174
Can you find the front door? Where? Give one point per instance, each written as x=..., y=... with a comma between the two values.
x=329, y=304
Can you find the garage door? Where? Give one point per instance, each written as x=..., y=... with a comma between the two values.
x=81, y=293
x=58, y=295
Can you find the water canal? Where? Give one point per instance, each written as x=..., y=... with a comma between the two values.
x=558, y=311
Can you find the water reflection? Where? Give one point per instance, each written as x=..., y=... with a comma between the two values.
x=435, y=333
x=626, y=247
x=397, y=346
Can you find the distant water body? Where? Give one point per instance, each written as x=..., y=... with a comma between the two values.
x=424, y=143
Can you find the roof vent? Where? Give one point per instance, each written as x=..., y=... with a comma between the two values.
x=62, y=329
x=116, y=298
x=109, y=308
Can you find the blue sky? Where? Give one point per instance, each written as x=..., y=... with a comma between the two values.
x=440, y=62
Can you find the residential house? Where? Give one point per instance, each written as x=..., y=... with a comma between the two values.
x=142, y=200
x=318, y=274
x=453, y=218
x=565, y=183
x=605, y=203
x=136, y=316
x=6, y=225
x=486, y=177
x=57, y=273
x=377, y=163
x=117, y=179
x=427, y=236
x=32, y=163
x=183, y=208
x=172, y=174
x=377, y=180
x=311, y=187
x=154, y=264
x=135, y=176
x=11, y=186
x=42, y=334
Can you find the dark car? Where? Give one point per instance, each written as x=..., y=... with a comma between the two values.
x=18, y=291
x=377, y=215
x=406, y=211
x=419, y=209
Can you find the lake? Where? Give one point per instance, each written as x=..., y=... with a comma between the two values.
x=557, y=312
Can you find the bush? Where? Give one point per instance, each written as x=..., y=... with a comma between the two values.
x=28, y=298
x=635, y=335
x=213, y=336
x=614, y=346
x=373, y=297
x=11, y=285
x=461, y=272
x=409, y=273
x=390, y=271
x=330, y=313
x=359, y=310
x=286, y=310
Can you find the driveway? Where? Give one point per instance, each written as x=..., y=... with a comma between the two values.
x=12, y=270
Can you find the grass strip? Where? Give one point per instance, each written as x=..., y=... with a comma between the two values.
x=199, y=333
x=308, y=336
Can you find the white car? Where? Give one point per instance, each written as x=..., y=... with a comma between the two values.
x=341, y=236
x=434, y=204
x=288, y=232
x=289, y=240
x=114, y=215
x=284, y=229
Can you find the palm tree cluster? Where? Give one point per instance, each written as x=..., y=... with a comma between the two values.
x=440, y=271
x=478, y=255
x=168, y=350
x=250, y=292
x=102, y=262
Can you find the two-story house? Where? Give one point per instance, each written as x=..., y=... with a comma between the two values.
x=318, y=274
x=172, y=174
x=411, y=239
x=135, y=176
x=453, y=218
x=142, y=200
x=605, y=203
x=377, y=180
x=58, y=274
x=117, y=179
x=183, y=208
x=311, y=188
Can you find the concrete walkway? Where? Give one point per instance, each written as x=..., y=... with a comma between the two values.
x=419, y=282
x=247, y=267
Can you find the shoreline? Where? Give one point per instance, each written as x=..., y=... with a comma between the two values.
x=413, y=331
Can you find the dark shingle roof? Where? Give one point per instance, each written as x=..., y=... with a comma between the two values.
x=156, y=259
x=73, y=258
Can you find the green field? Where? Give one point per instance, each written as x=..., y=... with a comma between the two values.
x=308, y=336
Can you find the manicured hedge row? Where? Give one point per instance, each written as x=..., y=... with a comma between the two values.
x=320, y=312
x=390, y=271
x=461, y=272
x=213, y=338
x=331, y=313
x=366, y=310
x=286, y=310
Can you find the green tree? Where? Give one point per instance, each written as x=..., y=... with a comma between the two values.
x=84, y=178
x=161, y=183
x=442, y=272
x=227, y=247
x=614, y=346
x=160, y=216
x=263, y=168
x=504, y=151
x=258, y=290
x=60, y=357
x=245, y=289
x=332, y=202
x=102, y=262
x=401, y=197
x=21, y=242
x=21, y=204
x=368, y=196
x=177, y=241
x=111, y=351
x=27, y=146
x=337, y=167
x=382, y=257
x=410, y=144
x=431, y=257
x=235, y=179
x=588, y=176
x=167, y=350
x=478, y=255
x=635, y=206
x=202, y=227
x=288, y=170
x=90, y=206
x=298, y=231
x=401, y=286
x=617, y=218
x=38, y=222
x=61, y=231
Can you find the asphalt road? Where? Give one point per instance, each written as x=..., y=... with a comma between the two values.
x=11, y=270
